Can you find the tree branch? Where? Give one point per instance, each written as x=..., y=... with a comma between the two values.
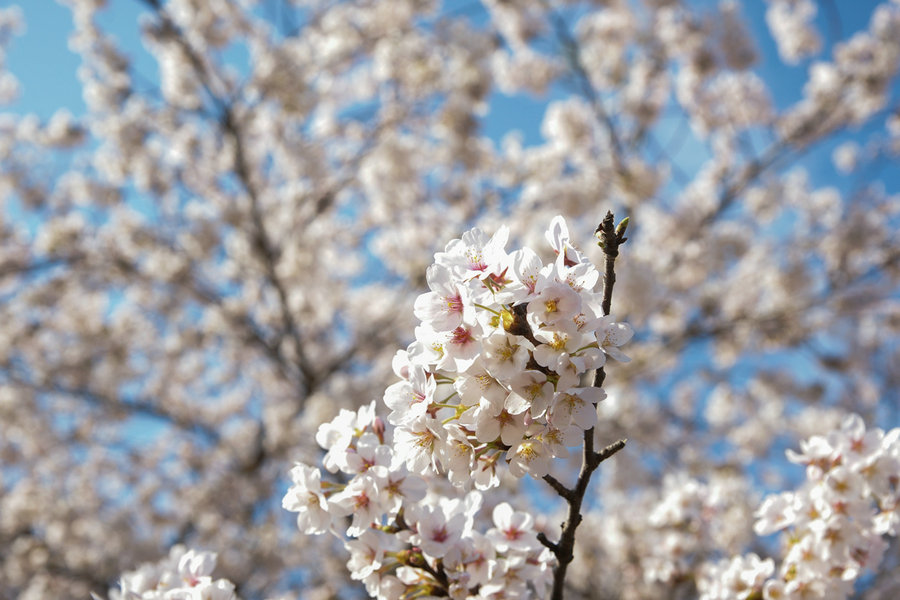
x=134, y=406
x=266, y=248
x=611, y=237
x=572, y=53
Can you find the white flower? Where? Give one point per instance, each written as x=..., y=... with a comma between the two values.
x=558, y=236
x=484, y=474
x=457, y=456
x=410, y=399
x=611, y=335
x=505, y=355
x=182, y=575
x=562, y=347
x=474, y=255
x=529, y=456
x=817, y=453
x=490, y=425
x=335, y=437
x=305, y=497
x=462, y=346
x=447, y=305
x=419, y=443
x=477, y=558
x=477, y=384
x=577, y=406
x=558, y=440
x=527, y=268
x=556, y=304
x=509, y=578
x=361, y=499
x=367, y=552
x=369, y=453
x=428, y=349
x=775, y=513
x=530, y=391
x=836, y=526
x=513, y=530
x=396, y=486
x=436, y=532
x=736, y=578
x=193, y=565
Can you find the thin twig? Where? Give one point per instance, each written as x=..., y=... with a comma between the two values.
x=611, y=237
x=557, y=486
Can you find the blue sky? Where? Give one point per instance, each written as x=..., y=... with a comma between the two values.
x=47, y=69
x=42, y=61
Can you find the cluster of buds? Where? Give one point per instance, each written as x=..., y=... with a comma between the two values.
x=493, y=378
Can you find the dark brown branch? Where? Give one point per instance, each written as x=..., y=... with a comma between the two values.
x=542, y=538
x=611, y=237
x=607, y=452
x=557, y=486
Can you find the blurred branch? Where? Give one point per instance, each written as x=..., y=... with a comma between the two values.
x=266, y=249
x=134, y=406
x=22, y=268
x=263, y=242
x=572, y=54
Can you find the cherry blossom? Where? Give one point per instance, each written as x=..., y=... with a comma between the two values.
x=221, y=246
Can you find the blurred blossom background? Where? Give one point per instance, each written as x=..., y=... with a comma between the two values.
x=217, y=214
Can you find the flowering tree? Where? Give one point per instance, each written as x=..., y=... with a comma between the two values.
x=215, y=259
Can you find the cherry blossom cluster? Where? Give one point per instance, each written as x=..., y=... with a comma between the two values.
x=406, y=539
x=495, y=373
x=834, y=523
x=215, y=240
x=183, y=575
x=494, y=376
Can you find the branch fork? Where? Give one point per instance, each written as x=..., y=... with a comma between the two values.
x=610, y=238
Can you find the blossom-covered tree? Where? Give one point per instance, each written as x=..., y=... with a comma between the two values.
x=217, y=257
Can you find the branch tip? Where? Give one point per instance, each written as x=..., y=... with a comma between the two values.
x=558, y=487
x=543, y=539
x=610, y=450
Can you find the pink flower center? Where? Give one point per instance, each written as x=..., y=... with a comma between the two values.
x=440, y=535
x=476, y=261
x=461, y=336
x=454, y=304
